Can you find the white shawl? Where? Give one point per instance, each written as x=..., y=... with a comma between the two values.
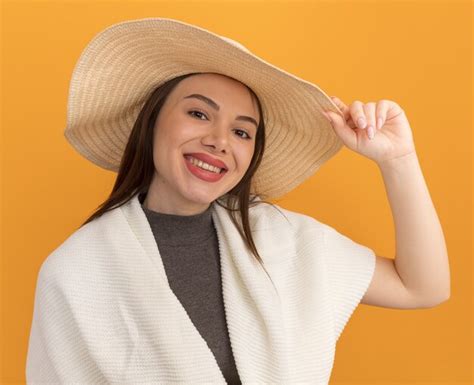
x=105, y=313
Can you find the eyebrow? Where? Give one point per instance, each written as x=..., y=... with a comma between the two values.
x=214, y=105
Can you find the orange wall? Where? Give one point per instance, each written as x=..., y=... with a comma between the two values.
x=417, y=54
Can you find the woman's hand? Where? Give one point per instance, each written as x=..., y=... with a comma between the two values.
x=392, y=133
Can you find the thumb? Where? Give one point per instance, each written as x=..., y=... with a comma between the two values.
x=342, y=129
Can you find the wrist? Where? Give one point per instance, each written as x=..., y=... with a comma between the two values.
x=408, y=159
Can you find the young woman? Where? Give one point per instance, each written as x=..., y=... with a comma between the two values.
x=186, y=274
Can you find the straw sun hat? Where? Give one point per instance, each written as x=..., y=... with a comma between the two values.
x=123, y=63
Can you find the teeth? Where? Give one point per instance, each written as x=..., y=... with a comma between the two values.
x=204, y=165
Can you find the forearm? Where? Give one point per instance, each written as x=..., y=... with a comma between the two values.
x=421, y=255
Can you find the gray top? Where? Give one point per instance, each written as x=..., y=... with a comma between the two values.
x=189, y=249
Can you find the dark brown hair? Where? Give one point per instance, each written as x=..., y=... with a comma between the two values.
x=137, y=168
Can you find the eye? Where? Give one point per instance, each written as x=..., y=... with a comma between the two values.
x=248, y=136
x=198, y=112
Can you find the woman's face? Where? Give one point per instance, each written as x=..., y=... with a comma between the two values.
x=213, y=117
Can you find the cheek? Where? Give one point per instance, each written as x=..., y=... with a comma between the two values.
x=244, y=156
x=168, y=144
x=175, y=132
x=163, y=146
x=167, y=136
x=158, y=146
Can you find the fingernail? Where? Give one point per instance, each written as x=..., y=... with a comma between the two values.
x=361, y=122
x=330, y=119
x=379, y=123
x=370, y=132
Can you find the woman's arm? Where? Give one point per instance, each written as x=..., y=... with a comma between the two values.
x=421, y=256
x=419, y=276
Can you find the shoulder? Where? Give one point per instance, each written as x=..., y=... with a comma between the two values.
x=81, y=249
x=285, y=235
x=265, y=216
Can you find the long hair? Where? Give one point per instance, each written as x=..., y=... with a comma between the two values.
x=137, y=168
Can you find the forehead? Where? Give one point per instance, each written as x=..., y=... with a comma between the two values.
x=217, y=85
x=212, y=79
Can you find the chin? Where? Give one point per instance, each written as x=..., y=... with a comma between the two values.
x=202, y=198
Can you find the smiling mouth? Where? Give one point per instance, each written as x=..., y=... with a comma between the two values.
x=211, y=176
x=205, y=166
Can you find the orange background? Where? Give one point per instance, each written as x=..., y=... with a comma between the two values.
x=417, y=54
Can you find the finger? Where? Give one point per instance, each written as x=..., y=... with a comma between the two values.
x=381, y=112
x=369, y=110
x=358, y=114
x=345, y=110
x=340, y=126
x=338, y=102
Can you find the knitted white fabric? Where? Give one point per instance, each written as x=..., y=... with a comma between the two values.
x=105, y=313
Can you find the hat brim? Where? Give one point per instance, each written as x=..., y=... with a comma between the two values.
x=123, y=63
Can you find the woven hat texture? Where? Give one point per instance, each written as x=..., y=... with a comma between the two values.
x=123, y=63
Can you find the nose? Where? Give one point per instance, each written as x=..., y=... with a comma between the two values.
x=217, y=138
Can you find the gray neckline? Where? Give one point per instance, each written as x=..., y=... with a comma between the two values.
x=181, y=230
